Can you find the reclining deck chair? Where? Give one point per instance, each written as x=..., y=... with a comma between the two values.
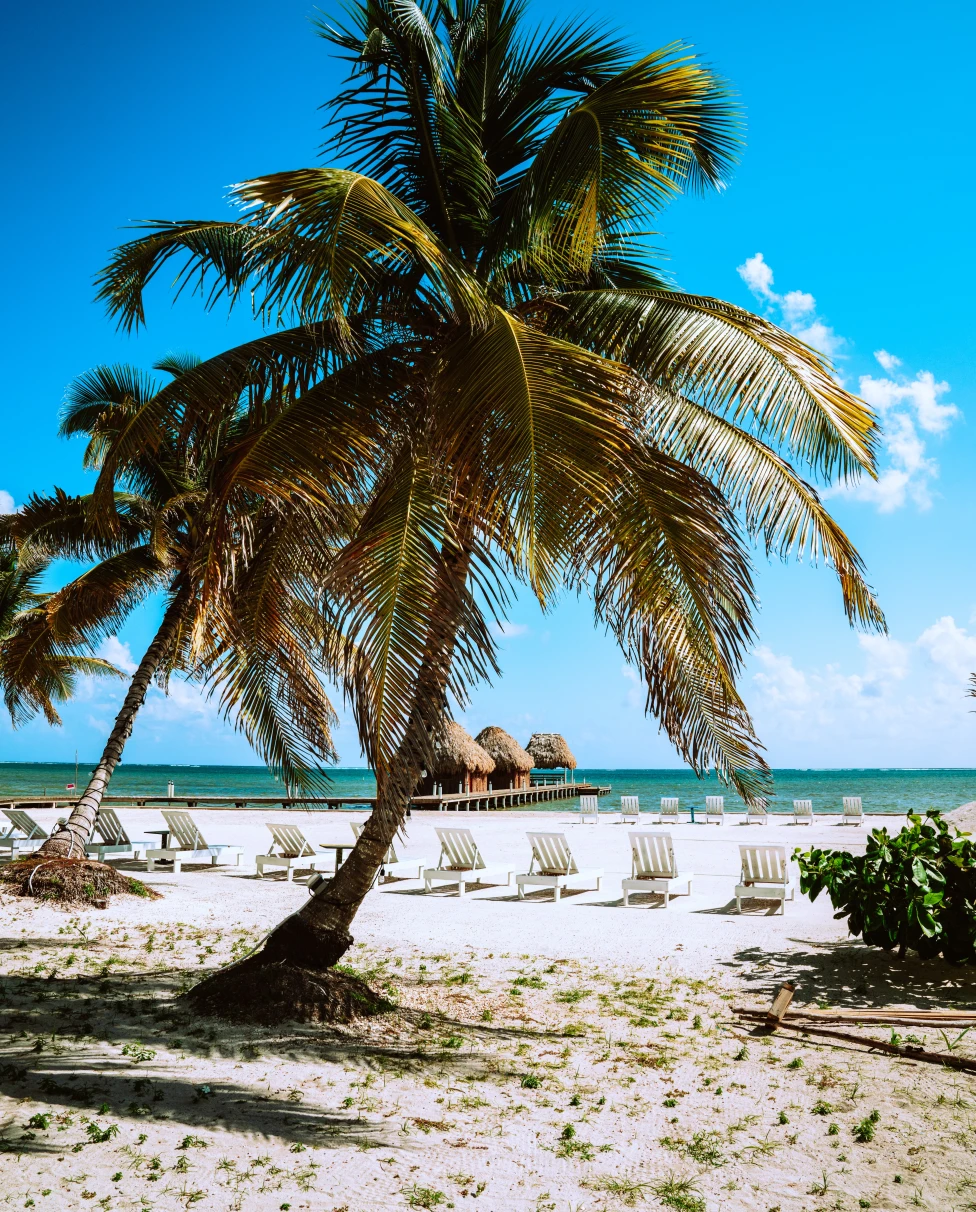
x=765, y=875
x=652, y=867
x=191, y=846
x=553, y=865
x=461, y=862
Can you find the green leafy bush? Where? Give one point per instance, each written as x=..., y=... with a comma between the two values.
x=914, y=890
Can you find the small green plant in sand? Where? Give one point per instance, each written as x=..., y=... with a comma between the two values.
x=679, y=1194
x=571, y=1146
x=423, y=1197
x=702, y=1148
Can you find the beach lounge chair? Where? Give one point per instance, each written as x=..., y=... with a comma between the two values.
x=630, y=810
x=553, y=865
x=461, y=862
x=803, y=812
x=756, y=812
x=23, y=836
x=652, y=867
x=190, y=844
x=765, y=875
x=853, y=811
x=291, y=849
x=395, y=865
x=589, y=810
x=113, y=841
x=669, y=809
x=714, y=809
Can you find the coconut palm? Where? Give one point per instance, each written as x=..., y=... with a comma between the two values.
x=230, y=570
x=29, y=688
x=473, y=308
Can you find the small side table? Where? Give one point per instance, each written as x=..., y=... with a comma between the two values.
x=163, y=835
x=339, y=848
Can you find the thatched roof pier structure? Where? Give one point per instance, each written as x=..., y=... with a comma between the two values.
x=512, y=762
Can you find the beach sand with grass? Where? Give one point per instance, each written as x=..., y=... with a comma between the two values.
x=579, y=1056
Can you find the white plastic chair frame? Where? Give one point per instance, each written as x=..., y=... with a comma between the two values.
x=553, y=866
x=589, y=810
x=653, y=867
x=461, y=862
x=24, y=836
x=395, y=866
x=853, y=810
x=669, y=809
x=113, y=841
x=765, y=875
x=803, y=812
x=757, y=812
x=290, y=849
x=191, y=845
x=714, y=809
x=630, y=810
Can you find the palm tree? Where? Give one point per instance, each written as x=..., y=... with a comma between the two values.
x=33, y=688
x=230, y=569
x=472, y=308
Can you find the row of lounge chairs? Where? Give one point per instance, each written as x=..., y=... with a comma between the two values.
x=756, y=813
x=764, y=873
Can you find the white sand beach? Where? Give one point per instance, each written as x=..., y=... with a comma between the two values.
x=578, y=1056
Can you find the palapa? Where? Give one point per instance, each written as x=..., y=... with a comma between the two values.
x=549, y=751
x=459, y=765
x=512, y=762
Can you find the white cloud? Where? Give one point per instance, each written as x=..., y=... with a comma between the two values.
x=888, y=361
x=904, y=704
x=905, y=407
x=6, y=502
x=798, y=308
x=949, y=647
x=510, y=631
x=114, y=650
x=758, y=276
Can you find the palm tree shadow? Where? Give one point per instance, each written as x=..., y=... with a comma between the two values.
x=71, y=1051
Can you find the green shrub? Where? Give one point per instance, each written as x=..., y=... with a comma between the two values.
x=914, y=890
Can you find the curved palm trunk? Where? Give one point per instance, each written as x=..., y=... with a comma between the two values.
x=71, y=839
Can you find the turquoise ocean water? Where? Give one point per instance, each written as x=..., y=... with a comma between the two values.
x=891, y=791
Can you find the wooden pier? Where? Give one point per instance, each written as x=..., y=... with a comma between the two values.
x=475, y=801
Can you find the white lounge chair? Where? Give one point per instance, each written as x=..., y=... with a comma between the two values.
x=714, y=809
x=756, y=812
x=395, y=865
x=669, y=809
x=24, y=835
x=461, y=862
x=589, y=810
x=652, y=867
x=113, y=841
x=630, y=810
x=553, y=865
x=190, y=844
x=853, y=810
x=765, y=875
x=803, y=812
x=290, y=849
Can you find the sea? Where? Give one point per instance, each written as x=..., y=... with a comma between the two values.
x=882, y=791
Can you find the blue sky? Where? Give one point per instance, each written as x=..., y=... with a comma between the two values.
x=849, y=220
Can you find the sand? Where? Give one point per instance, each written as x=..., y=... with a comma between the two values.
x=573, y=1057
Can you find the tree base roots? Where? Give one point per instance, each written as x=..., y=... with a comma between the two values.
x=74, y=882
x=268, y=991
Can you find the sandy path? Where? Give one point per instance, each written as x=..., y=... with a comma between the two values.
x=554, y=1058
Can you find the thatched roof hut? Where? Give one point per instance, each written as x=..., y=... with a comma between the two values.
x=459, y=764
x=512, y=762
x=550, y=752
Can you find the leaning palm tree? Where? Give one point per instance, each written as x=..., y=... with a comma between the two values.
x=471, y=307
x=229, y=569
x=53, y=678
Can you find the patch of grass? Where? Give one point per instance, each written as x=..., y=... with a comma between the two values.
x=821, y=1107
x=680, y=1194
x=571, y=1146
x=864, y=1131
x=423, y=1197
x=530, y=1082
x=702, y=1148
x=571, y=996
x=627, y=1191
x=100, y=1136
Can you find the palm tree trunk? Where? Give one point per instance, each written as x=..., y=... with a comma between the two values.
x=70, y=840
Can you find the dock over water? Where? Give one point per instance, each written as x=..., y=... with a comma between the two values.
x=474, y=801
